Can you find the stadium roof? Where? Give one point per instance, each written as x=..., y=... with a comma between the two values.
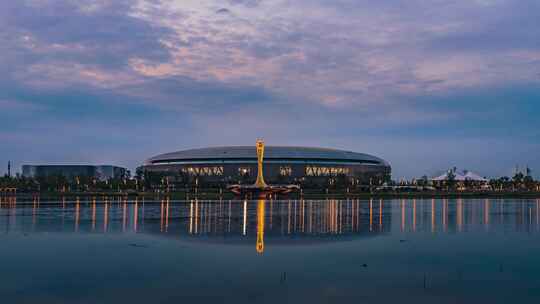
x=240, y=153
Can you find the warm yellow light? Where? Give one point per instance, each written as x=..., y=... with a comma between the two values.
x=260, y=156
x=260, y=226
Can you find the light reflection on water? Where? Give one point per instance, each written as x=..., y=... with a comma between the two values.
x=303, y=218
x=317, y=218
x=420, y=250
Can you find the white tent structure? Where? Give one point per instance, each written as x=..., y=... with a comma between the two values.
x=446, y=176
x=465, y=175
x=473, y=176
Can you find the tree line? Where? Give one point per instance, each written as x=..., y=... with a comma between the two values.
x=145, y=181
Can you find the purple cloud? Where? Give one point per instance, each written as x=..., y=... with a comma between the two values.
x=319, y=72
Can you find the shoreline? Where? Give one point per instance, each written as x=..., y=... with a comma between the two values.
x=211, y=195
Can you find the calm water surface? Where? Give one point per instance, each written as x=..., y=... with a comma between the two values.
x=302, y=251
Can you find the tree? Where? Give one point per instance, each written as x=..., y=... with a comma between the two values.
x=451, y=179
x=517, y=180
x=423, y=181
x=341, y=181
x=529, y=183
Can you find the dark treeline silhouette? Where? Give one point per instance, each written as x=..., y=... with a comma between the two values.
x=145, y=181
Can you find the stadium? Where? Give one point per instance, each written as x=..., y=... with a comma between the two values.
x=238, y=164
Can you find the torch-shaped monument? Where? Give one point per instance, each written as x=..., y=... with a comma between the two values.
x=260, y=188
x=260, y=156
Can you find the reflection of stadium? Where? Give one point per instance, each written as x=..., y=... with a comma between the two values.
x=282, y=165
x=274, y=222
x=268, y=222
x=254, y=223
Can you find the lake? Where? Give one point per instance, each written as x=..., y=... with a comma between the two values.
x=266, y=251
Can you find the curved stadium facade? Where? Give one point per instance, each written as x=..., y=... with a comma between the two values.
x=238, y=164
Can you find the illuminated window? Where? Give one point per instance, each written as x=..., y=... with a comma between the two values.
x=326, y=171
x=204, y=171
x=244, y=171
x=285, y=171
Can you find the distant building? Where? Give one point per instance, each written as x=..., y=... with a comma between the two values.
x=465, y=175
x=464, y=180
x=102, y=172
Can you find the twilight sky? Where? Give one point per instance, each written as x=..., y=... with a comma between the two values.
x=426, y=85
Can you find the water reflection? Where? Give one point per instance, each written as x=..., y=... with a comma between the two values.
x=267, y=222
x=260, y=225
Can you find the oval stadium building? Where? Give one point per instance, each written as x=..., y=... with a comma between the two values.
x=238, y=164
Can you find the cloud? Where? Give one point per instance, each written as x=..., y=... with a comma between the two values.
x=340, y=49
x=55, y=42
x=248, y=3
x=17, y=105
x=223, y=11
x=321, y=72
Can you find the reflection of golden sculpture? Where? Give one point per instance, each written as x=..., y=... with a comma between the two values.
x=260, y=156
x=260, y=226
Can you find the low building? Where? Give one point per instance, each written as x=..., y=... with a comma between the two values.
x=100, y=172
x=465, y=175
x=463, y=180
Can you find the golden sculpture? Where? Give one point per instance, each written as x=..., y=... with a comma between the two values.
x=260, y=156
x=260, y=188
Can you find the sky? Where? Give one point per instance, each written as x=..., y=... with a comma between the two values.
x=426, y=85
